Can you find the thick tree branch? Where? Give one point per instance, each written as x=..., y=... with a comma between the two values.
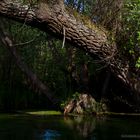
x=52, y=17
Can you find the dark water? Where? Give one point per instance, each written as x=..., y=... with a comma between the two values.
x=21, y=127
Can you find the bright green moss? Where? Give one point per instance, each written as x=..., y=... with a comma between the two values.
x=44, y=112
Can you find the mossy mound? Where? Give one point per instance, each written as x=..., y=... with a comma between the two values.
x=84, y=104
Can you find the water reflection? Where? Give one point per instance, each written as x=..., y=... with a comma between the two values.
x=84, y=126
x=51, y=134
x=67, y=128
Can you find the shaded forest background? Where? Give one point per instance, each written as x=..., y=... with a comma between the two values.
x=66, y=70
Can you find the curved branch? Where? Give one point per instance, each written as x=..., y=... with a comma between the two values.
x=81, y=32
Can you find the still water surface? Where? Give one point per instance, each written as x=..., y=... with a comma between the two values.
x=25, y=127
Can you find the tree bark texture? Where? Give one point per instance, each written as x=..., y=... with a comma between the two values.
x=52, y=17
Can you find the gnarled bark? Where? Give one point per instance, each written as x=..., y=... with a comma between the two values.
x=54, y=20
x=52, y=17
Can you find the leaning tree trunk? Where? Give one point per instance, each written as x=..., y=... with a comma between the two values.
x=34, y=80
x=52, y=17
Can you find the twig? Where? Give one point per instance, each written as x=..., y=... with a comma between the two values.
x=64, y=37
x=24, y=43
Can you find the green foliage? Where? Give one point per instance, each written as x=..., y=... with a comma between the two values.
x=138, y=63
x=45, y=57
x=57, y=67
x=132, y=20
x=75, y=95
x=129, y=35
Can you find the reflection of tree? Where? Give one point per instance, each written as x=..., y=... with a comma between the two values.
x=83, y=126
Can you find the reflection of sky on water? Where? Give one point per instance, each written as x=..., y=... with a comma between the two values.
x=51, y=134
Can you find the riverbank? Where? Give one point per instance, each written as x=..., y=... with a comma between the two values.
x=54, y=112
